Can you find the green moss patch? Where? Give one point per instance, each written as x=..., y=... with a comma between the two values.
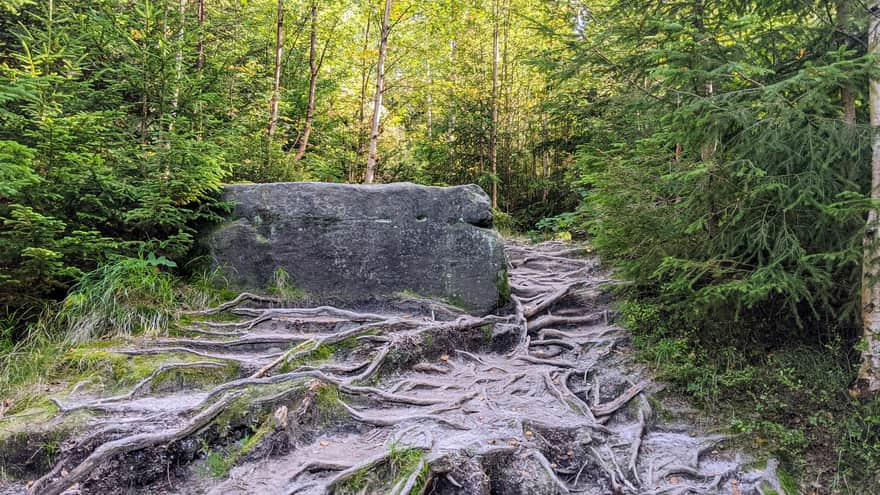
x=400, y=465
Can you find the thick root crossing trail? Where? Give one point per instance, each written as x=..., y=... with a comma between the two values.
x=413, y=397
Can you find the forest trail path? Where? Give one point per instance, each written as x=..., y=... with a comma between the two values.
x=413, y=398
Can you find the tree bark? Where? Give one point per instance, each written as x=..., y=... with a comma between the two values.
x=867, y=383
x=178, y=61
x=847, y=98
x=453, y=76
x=494, y=131
x=545, y=159
x=200, y=45
x=313, y=84
x=507, y=78
x=377, y=99
x=365, y=81
x=428, y=101
x=276, y=84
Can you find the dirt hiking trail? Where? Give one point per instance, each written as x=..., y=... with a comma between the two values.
x=413, y=397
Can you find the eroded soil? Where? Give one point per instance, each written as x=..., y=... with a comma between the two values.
x=407, y=398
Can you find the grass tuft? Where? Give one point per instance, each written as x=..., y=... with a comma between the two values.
x=125, y=297
x=282, y=286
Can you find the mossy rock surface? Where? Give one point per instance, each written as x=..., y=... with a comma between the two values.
x=363, y=242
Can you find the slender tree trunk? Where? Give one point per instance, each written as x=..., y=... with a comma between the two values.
x=428, y=101
x=708, y=150
x=868, y=381
x=545, y=160
x=200, y=45
x=679, y=149
x=145, y=99
x=276, y=84
x=377, y=99
x=847, y=98
x=507, y=76
x=365, y=81
x=453, y=76
x=313, y=84
x=200, y=66
x=178, y=61
x=848, y=101
x=494, y=132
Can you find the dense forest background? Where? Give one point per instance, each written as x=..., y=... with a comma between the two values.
x=717, y=152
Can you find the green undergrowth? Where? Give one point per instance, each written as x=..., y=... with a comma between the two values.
x=282, y=286
x=327, y=404
x=95, y=367
x=788, y=402
x=319, y=354
x=71, y=341
x=247, y=410
x=503, y=222
x=128, y=296
x=258, y=421
x=219, y=461
x=502, y=284
x=401, y=463
x=242, y=425
x=133, y=296
x=453, y=301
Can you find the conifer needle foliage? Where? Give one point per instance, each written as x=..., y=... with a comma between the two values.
x=723, y=178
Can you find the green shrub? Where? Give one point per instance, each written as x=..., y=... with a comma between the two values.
x=503, y=222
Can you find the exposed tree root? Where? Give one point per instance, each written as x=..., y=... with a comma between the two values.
x=140, y=387
x=621, y=400
x=239, y=299
x=128, y=444
x=497, y=404
x=551, y=320
x=550, y=472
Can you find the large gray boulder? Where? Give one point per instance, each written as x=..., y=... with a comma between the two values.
x=359, y=243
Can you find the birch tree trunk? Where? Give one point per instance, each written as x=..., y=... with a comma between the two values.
x=313, y=84
x=377, y=98
x=276, y=84
x=494, y=135
x=453, y=78
x=868, y=381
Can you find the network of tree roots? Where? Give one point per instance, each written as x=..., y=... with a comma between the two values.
x=409, y=397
